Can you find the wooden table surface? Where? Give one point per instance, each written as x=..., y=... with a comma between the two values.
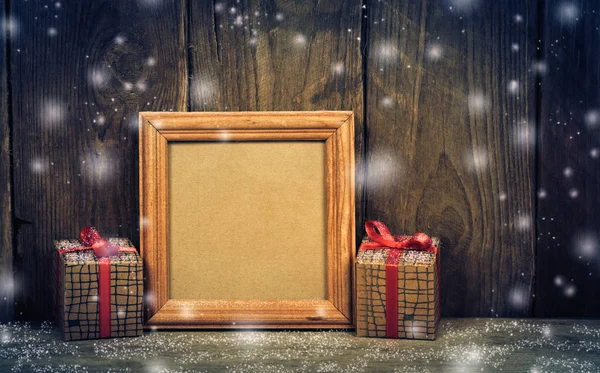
x=464, y=345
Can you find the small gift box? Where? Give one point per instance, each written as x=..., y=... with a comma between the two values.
x=99, y=287
x=397, y=282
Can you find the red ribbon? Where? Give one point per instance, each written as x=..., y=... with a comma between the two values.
x=103, y=249
x=381, y=238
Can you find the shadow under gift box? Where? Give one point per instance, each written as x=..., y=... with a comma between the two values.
x=418, y=311
x=77, y=276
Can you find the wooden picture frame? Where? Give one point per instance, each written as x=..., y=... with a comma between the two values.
x=336, y=130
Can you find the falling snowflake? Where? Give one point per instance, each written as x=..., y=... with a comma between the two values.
x=477, y=103
x=568, y=172
x=518, y=298
x=573, y=193
x=523, y=222
x=386, y=102
x=52, y=32
x=120, y=39
x=52, y=112
x=567, y=13
x=513, y=87
x=540, y=67
x=466, y=6
x=592, y=118
x=38, y=166
x=10, y=26
x=586, y=245
x=434, y=52
x=570, y=290
x=98, y=76
x=300, y=40
x=338, y=68
x=386, y=51
x=476, y=160
x=542, y=193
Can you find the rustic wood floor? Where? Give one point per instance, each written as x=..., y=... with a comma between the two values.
x=464, y=345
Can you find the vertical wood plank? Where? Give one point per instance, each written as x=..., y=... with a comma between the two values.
x=450, y=100
x=279, y=55
x=80, y=73
x=6, y=246
x=568, y=219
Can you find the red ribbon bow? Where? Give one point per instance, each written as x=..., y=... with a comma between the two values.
x=103, y=249
x=381, y=238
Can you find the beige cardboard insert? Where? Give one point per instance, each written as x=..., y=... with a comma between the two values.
x=247, y=220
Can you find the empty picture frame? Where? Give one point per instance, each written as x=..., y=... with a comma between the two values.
x=247, y=219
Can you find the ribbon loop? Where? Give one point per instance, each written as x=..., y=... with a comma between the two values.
x=383, y=236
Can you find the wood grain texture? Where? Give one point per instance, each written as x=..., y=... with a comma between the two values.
x=6, y=245
x=80, y=74
x=279, y=55
x=444, y=146
x=164, y=311
x=568, y=223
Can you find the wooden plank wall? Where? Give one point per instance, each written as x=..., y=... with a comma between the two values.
x=448, y=96
x=6, y=253
x=80, y=73
x=441, y=154
x=568, y=264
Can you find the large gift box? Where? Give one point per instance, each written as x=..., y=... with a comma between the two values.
x=397, y=284
x=99, y=287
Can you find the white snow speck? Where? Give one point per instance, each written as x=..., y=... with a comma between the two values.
x=279, y=17
x=594, y=153
x=559, y=280
x=592, y=119
x=476, y=160
x=515, y=47
x=570, y=290
x=386, y=51
x=542, y=193
x=10, y=26
x=477, y=103
x=38, y=166
x=52, y=31
x=540, y=67
x=513, y=87
x=219, y=7
x=518, y=298
x=386, y=102
x=523, y=222
x=573, y=193
x=120, y=39
x=586, y=244
x=300, y=40
x=52, y=112
x=568, y=172
x=567, y=13
x=338, y=68
x=434, y=52
x=518, y=18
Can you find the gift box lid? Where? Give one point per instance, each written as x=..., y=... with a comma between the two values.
x=378, y=256
x=88, y=256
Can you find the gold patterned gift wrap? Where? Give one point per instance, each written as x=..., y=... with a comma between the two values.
x=397, y=285
x=99, y=287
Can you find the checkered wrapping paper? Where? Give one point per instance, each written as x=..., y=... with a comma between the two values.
x=418, y=293
x=77, y=292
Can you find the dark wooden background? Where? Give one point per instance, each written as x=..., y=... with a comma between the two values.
x=475, y=121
